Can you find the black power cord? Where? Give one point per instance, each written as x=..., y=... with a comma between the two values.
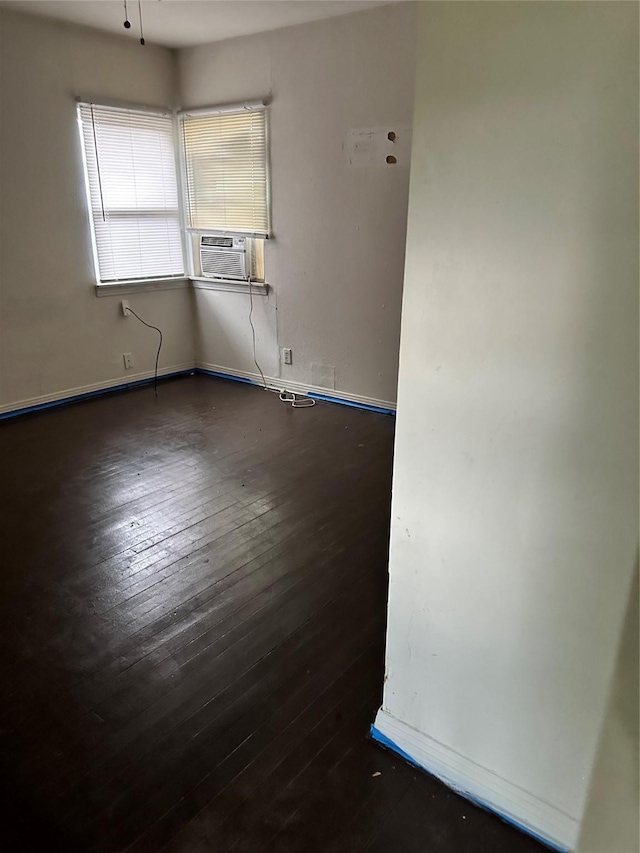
x=149, y=326
x=298, y=401
x=253, y=335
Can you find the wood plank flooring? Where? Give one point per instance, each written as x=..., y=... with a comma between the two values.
x=192, y=611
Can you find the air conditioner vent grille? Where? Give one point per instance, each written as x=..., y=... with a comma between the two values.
x=223, y=257
x=217, y=242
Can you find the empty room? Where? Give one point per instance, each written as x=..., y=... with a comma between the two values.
x=319, y=426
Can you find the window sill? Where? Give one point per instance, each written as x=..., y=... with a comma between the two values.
x=124, y=288
x=121, y=288
x=257, y=288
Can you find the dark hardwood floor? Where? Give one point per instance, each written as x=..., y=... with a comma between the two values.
x=193, y=595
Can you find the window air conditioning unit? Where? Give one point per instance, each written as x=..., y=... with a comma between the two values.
x=223, y=257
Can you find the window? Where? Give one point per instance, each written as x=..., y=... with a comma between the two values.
x=225, y=154
x=132, y=191
x=137, y=211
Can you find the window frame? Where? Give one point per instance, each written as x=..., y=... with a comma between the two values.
x=164, y=280
x=190, y=232
x=189, y=275
x=261, y=105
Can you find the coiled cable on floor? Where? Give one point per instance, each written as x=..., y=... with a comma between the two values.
x=298, y=401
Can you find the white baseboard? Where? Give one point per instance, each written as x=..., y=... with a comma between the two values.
x=529, y=813
x=299, y=387
x=69, y=394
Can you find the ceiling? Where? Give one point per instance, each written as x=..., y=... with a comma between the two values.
x=180, y=23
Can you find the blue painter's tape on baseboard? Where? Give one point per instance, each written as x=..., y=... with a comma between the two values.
x=385, y=741
x=376, y=734
x=220, y=375
x=86, y=395
x=315, y=394
x=355, y=403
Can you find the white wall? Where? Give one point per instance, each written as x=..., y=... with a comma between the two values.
x=336, y=261
x=611, y=822
x=56, y=336
x=515, y=512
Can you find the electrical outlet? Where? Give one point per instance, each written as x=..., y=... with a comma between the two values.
x=128, y=360
x=287, y=355
x=125, y=308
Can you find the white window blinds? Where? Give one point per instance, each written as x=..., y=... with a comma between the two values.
x=133, y=194
x=226, y=171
